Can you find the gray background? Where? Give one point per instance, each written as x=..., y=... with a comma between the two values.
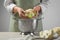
x=51, y=16
x=4, y=18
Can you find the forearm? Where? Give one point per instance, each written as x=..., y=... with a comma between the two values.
x=9, y=5
x=44, y=5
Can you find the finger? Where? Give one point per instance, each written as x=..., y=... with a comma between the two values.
x=34, y=8
x=22, y=11
x=22, y=15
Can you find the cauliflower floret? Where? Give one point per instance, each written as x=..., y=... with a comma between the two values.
x=56, y=30
x=30, y=13
x=47, y=34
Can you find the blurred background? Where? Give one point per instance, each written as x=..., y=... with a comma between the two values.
x=51, y=16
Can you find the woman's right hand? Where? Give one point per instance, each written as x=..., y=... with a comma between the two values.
x=20, y=11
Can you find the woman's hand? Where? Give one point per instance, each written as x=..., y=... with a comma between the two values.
x=37, y=9
x=20, y=11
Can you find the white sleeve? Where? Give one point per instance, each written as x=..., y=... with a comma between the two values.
x=8, y=4
x=44, y=5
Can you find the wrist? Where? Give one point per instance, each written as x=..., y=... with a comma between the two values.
x=14, y=9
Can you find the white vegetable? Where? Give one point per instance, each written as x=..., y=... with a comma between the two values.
x=56, y=30
x=47, y=34
x=30, y=13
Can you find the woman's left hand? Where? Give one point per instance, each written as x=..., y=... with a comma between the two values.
x=37, y=9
